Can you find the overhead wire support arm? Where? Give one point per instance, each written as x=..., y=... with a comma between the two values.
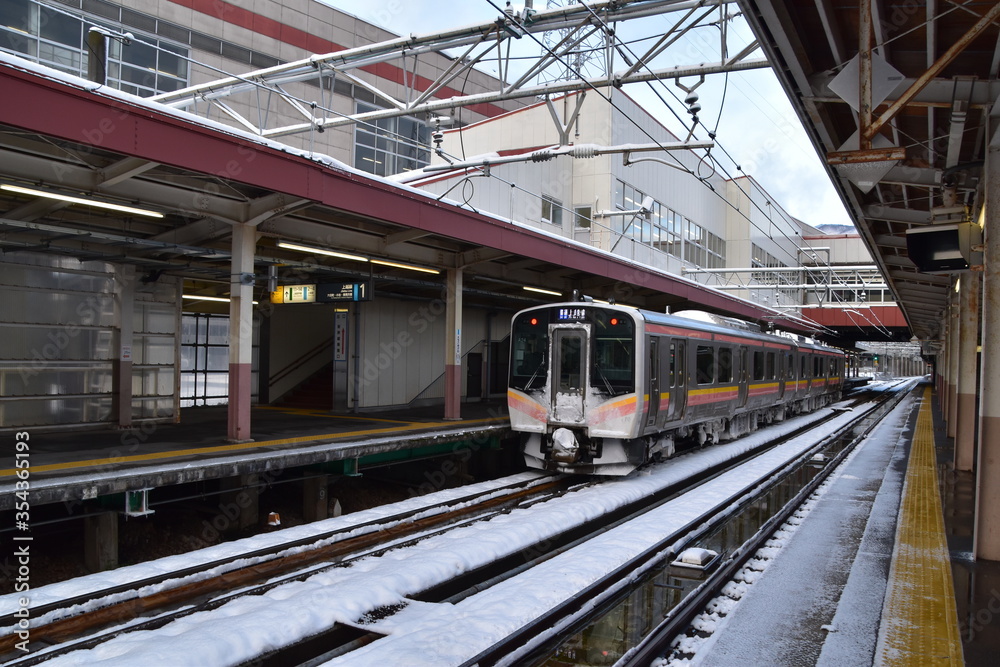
x=545, y=154
x=474, y=42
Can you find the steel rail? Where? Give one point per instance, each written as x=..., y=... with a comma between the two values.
x=523, y=647
x=658, y=641
x=275, y=564
x=334, y=641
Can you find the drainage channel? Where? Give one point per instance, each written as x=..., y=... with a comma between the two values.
x=639, y=624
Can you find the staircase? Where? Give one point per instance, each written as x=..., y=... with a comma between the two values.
x=314, y=393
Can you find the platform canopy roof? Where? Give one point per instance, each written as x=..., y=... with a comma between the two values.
x=204, y=178
x=896, y=97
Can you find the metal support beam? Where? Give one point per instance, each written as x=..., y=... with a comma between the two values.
x=869, y=131
x=865, y=76
x=122, y=377
x=987, y=528
x=954, y=335
x=241, y=331
x=865, y=155
x=453, y=347
x=968, y=328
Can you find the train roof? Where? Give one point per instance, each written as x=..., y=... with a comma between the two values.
x=665, y=319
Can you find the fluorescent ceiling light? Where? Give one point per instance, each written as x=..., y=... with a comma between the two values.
x=404, y=266
x=320, y=251
x=80, y=200
x=542, y=291
x=198, y=297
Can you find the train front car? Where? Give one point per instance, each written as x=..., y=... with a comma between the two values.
x=572, y=388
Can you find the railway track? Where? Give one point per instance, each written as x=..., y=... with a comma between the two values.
x=344, y=636
x=831, y=451
x=196, y=588
x=340, y=640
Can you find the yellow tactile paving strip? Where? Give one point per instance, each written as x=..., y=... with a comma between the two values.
x=919, y=619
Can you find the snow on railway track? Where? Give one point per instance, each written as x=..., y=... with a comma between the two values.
x=250, y=626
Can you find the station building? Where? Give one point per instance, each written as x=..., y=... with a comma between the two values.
x=179, y=346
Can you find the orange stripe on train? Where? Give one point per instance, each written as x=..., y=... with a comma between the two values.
x=533, y=409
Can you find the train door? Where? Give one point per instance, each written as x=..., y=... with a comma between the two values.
x=743, y=377
x=784, y=368
x=653, y=383
x=569, y=381
x=676, y=380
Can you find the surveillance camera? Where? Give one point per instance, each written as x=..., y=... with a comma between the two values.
x=647, y=204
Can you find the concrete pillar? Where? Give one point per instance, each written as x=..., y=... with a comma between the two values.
x=453, y=347
x=987, y=532
x=965, y=428
x=100, y=541
x=315, y=499
x=953, y=338
x=241, y=332
x=239, y=504
x=121, y=379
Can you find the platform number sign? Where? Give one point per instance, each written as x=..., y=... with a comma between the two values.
x=324, y=293
x=334, y=292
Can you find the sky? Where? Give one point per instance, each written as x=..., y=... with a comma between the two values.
x=757, y=125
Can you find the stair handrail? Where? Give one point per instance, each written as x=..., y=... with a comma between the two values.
x=301, y=360
x=481, y=342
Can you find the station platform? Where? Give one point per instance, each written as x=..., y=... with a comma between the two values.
x=87, y=464
x=880, y=571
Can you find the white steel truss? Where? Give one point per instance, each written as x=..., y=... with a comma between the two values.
x=477, y=45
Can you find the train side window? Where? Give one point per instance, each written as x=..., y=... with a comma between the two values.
x=769, y=365
x=725, y=365
x=672, y=367
x=705, y=365
x=817, y=368
x=804, y=367
x=682, y=378
x=790, y=365
x=758, y=365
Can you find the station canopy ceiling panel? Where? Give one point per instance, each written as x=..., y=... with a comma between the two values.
x=895, y=96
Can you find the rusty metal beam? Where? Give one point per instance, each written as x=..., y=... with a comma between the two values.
x=869, y=131
x=865, y=75
x=869, y=155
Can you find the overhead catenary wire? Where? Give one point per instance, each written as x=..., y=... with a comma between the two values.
x=608, y=100
x=631, y=57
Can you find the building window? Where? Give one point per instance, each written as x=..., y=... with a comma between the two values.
x=582, y=217
x=390, y=146
x=57, y=38
x=551, y=211
x=703, y=248
x=205, y=360
x=661, y=230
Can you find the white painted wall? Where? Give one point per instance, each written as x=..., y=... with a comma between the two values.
x=402, y=353
x=295, y=330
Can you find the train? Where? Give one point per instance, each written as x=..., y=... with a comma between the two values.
x=601, y=389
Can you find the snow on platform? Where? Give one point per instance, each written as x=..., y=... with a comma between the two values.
x=819, y=601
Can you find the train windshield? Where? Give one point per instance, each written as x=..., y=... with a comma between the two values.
x=611, y=348
x=529, y=364
x=613, y=368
